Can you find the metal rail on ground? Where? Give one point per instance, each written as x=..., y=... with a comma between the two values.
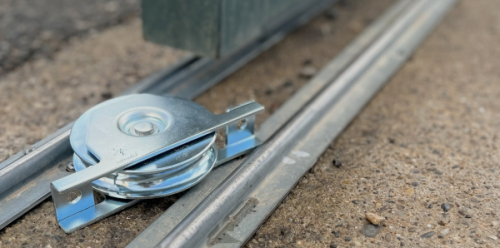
x=22, y=174
x=183, y=206
x=237, y=207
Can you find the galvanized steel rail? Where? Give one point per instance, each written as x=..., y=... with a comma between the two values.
x=241, y=203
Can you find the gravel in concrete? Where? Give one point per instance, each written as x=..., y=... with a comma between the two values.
x=45, y=94
x=37, y=28
x=440, y=112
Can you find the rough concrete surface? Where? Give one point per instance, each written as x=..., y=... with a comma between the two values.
x=46, y=94
x=423, y=154
x=427, y=142
x=35, y=28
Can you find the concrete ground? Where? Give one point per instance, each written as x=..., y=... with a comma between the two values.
x=424, y=153
x=425, y=144
x=33, y=29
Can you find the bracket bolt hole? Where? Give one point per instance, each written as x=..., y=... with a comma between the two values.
x=242, y=124
x=74, y=196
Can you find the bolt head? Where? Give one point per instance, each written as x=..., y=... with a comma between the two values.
x=144, y=128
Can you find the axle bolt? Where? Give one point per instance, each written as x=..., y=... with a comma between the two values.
x=144, y=128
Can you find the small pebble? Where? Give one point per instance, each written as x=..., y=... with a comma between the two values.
x=268, y=92
x=415, y=184
x=467, y=212
x=337, y=163
x=410, y=191
x=370, y=230
x=388, y=237
x=106, y=95
x=430, y=206
x=445, y=231
x=374, y=219
x=446, y=207
x=412, y=229
x=428, y=234
x=308, y=71
x=336, y=234
x=347, y=239
x=288, y=83
x=444, y=222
